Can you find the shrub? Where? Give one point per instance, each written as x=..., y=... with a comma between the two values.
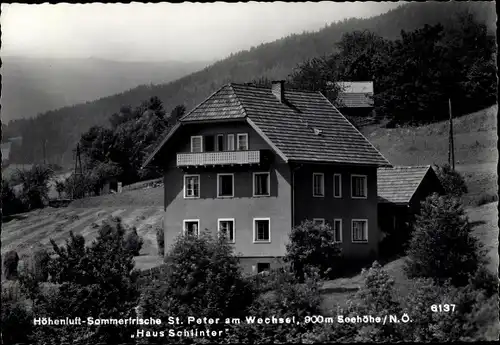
x=16, y=322
x=133, y=242
x=452, y=181
x=10, y=261
x=37, y=263
x=442, y=246
x=11, y=204
x=96, y=280
x=313, y=245
x=160, y=239
x=35, y=188
x=289, y=298
x=202, y=277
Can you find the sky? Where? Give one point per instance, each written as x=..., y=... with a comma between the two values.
x=165, y=31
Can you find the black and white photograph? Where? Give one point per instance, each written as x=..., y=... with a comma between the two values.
x=249, y=173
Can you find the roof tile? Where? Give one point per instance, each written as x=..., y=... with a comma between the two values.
x=398, y=184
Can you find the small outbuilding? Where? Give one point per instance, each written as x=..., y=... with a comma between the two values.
x=400, y=191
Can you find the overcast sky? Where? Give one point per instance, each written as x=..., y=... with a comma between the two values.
x=187, y=31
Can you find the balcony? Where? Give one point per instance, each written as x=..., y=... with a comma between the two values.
x=218, y=158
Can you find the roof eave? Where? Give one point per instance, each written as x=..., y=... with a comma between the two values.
x=160, y=146
x=310, y=161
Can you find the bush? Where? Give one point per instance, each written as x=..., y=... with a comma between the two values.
x=133, y=242
x=202, y=278
x=37, y=263
x=452, y=181
x=11, y=204
x=442, y=246
x=288, y=298
x=35, y=188
x=98, y=280
x=313, y=245
x=160, y=240
x=10, y=261
x=16, y=324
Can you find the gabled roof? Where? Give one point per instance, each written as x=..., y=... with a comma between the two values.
x=356, y=94
x=398, y=184
x=306, y=127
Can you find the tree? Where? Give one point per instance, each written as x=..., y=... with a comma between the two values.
x=10, y=261
x=11, y=204
x=313, y=245
x=442, y=246
x=35, y=188
x=98, y=280
x=202, y=277
x=60, y=187
x=160, y=240
x=133, y=242
x=451, y=180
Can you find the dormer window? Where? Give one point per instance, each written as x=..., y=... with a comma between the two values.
x=197, y=143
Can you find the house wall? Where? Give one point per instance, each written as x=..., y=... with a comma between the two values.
x=308, y=207
x=243, y=207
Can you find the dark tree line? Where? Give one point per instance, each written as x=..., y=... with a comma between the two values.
x=415, y=75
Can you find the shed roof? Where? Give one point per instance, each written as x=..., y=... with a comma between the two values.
x=398, y=184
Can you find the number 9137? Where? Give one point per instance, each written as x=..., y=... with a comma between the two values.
x=443, y=308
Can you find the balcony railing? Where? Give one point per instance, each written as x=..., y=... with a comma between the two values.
x=218, y=158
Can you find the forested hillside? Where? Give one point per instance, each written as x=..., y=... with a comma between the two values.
x=31, y=86
x=62, y=128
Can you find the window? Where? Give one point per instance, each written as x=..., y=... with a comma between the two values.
x=191, y=227
x=226, y=227
x=319, y=221
x=220, y=142
x=262, y=230
x=230, y=142
x=359, y=230
x=225, y=185
x=358, y=186
x=209, y=143
x=318, y=184
x=191, y=186
x=337, y=230
x=242, y=142
x=263, y=266
x=337, y=185
x=261, y=184
x=197, y=143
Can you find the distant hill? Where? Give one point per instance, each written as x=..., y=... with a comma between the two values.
x=35, y=85
x=273, y=60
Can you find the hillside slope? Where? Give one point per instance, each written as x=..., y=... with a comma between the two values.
x=35, y=85
x=274, y=60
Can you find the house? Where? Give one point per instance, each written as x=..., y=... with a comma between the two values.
x=400, y=191
x=355, y=101
x=253, y=162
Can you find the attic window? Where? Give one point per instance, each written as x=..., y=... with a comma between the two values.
x=317, y=131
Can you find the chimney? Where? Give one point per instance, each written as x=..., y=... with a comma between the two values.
x=278, y=90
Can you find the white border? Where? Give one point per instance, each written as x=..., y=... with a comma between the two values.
x=352, y=230
x=268, y=183
x=196, y=136
x=234, y=228
x=333, y=228
x=199, y=186
x=322, y=185
x=254, y=233
x=190, y=220
x=218, y=189
x=366, y=187
x=340, y=186
x=238, y=140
